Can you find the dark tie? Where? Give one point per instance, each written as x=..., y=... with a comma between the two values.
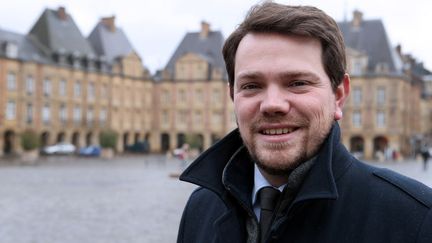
x=268, y=197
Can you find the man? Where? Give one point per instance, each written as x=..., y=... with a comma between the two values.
x=286, y=68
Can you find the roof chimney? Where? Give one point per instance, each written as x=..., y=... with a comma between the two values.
x=357, y=18
x=109, y=22
x=205, y=29
x=399, y=49
x=61, y=13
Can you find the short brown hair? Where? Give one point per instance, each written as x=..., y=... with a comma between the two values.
x=307, y=21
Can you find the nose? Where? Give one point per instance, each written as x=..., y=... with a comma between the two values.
x=275, y=102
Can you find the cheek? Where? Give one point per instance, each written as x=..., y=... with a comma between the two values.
x=244, y=110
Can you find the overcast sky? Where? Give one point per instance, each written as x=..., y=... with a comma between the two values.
x=156, y=27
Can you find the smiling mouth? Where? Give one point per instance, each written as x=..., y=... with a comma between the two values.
x=278, y=131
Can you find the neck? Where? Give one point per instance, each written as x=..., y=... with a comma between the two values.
x=274, y=180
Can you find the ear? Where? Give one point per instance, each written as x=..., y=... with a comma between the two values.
x=341, y=94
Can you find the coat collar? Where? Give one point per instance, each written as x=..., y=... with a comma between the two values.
x=208, y=169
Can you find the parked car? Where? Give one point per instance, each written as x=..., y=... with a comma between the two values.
x=139, y=147
x=92, y=150
x=60, y=148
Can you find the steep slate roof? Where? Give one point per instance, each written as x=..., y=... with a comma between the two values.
x=209, y=47
x=371, y=38
x=108, y=43
x=56, y=34
x=27, y=51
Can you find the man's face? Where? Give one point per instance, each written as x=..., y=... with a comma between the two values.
x=283, y=99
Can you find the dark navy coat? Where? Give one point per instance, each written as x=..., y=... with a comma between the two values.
x=340, y=200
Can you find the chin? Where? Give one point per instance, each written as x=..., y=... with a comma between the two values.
x=278, y=162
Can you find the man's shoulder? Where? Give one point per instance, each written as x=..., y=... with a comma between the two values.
x=387, y=182
x=409, y=186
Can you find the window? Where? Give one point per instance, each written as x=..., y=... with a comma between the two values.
x=165, y=117
x=357, y=96
x=47, y=87
x=63, y=113
x=381, y=96
x=90, y=115
x=199, y=95
x=166, y=97
x=91, y=91
x=11, y=49
x=182, y=96
x=29, y=113
x=182, y=117
x=198, y=118
x=356, y=119
x=357, y=67
x=46, y=113
x=62, y=87
x=380, y=119
x=10, y=110
x=104, y=91
x=217, y=118
x=77, y=89
x=11, y=81
x=77, y=114
x=30, y=84
x=216, y=96
x=103, y=115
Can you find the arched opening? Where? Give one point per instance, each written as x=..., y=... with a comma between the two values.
x=125, y=140
x=44, y=139
x=380, y=144
x=147, y=141
x=357, y=146
x=89, y=139
x=136, y=138
x=9, y=141
x=181, y=139
x=165, y=142
x=200, y=142
x=61, y=137
x=75, y=139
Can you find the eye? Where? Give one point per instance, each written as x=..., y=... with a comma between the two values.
x=250, y=86
x=298, y=83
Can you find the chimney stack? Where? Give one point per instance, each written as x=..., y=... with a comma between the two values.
x=205, y=29
x=109, y=22
x=61, y=13
x=357, y=18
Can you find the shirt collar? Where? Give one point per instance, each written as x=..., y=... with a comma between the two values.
x=259, y=182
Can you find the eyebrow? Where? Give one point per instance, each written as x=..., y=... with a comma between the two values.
x=252, y=75
x=299, y=75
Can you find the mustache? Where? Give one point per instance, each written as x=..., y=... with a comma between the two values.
x=282, y=121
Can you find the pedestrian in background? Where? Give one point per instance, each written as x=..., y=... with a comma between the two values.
x=425, y=153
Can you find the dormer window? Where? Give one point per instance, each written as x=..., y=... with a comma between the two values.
x=89, y=62
x=103, y=65
x=11, y=49
x=60, y=56
x=382, y=67
x=74, y=59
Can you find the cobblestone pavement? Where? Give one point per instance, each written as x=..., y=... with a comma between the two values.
x=128, y=199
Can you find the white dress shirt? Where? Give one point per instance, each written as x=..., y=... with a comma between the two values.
x=260, y=182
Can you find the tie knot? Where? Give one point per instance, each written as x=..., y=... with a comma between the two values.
x=268, y=198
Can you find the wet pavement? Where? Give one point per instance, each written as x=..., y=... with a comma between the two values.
x=128, y=199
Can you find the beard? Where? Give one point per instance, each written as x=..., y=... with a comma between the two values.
x=280, y=159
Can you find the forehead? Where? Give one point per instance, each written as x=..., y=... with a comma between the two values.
x=271, y=52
